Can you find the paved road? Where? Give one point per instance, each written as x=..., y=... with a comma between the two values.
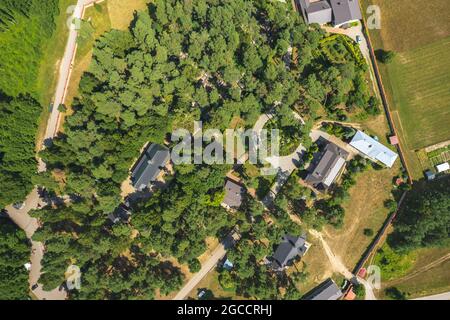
x=21, y=217
x=65, y=71
x=216, y=256
x=441, y=296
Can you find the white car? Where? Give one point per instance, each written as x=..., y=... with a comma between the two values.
x=358, y=39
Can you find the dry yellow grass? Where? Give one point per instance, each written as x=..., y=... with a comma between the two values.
x=317, y=265
x=121, y=12
x=364, y=209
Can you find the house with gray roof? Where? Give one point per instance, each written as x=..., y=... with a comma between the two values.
x=327, y=167
x=289, y=248
x=327, y=290
x=147, y=169
x=234, y=193
x=336, y=12
x=121, y=214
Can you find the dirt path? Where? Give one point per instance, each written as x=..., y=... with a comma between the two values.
x=338, y=266
x=335, y=261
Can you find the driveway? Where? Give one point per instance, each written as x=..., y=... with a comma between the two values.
x=281, y=166
x=216, y=256
x=29, y=224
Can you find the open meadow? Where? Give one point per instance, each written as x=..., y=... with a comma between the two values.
x=417, y=81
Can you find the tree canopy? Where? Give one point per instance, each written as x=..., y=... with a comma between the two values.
x=14, y=253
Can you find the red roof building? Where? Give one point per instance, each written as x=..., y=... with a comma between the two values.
x=393, y=140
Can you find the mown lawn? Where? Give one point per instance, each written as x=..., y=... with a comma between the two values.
x=406, y=24
x=420, y=80
x=417, y=81
x=121, y=12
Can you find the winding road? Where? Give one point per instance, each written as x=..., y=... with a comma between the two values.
x=33, y=201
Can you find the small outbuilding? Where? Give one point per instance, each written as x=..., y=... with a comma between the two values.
x=442, y=167
x=393, y=140
x=430, y=175
x=121, y=214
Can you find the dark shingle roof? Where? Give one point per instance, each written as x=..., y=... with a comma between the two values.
x=288, y=249
x=147, y=169
x=331, y=162
x=345, y=11
x=233, y=194
x=122, y=213
x=327, y=290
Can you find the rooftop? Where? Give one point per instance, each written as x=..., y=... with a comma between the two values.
x=345, y=11
x=233, y=195
x=373, y=149
x=150, y=164
x=443, y=167
x=332, y=160
x=338, y=12
x=327, y=290
x=289, y=248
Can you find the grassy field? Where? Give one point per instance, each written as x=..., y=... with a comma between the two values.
x=429, y=275
x=363, y=210
x=417, y=81
x=407, y=24
x=420, y=80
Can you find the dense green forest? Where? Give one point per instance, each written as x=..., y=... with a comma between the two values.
x=181, y=61
x=424, y=218
x=14, y=253
x=25, y=26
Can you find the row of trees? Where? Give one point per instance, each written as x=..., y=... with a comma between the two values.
x=424, y=218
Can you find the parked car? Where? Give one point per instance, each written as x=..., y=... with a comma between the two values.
x=358, y=39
